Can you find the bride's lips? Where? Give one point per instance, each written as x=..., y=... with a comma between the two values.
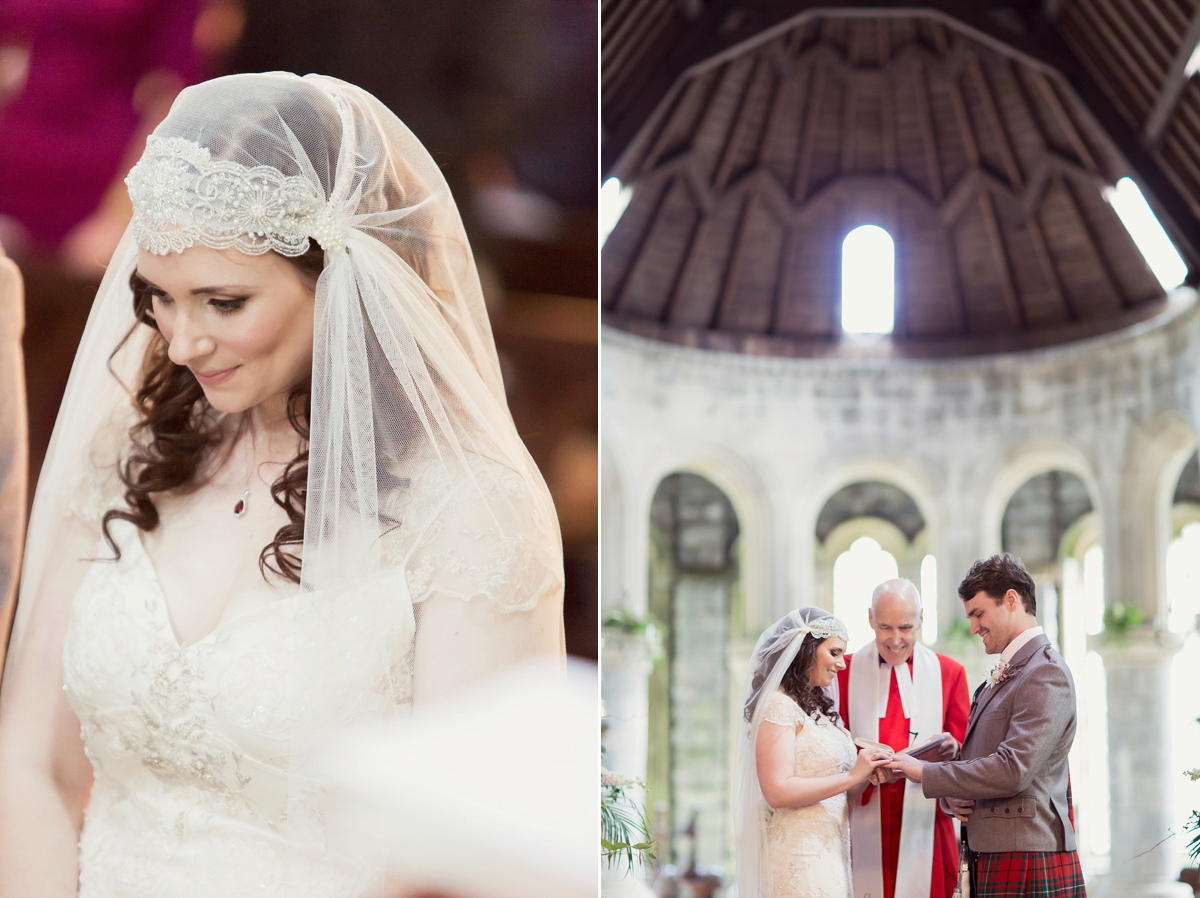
x=214, y=378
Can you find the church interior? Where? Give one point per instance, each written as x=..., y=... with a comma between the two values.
x=773, y=437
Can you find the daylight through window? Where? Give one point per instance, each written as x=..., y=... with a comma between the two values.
x=868, y=281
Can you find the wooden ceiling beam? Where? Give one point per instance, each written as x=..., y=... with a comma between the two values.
x=1051, y=98
x=723, y=25
x=1173, y=85
x=1170, y=205
x=1003, y=140
x=933, y=161
x=1008, y=281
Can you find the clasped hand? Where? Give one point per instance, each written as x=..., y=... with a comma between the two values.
x=870, y=761
x=906, y=765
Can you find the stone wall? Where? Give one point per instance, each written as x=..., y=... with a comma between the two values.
x=781, y=436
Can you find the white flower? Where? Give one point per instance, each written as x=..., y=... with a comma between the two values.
x=999, y=673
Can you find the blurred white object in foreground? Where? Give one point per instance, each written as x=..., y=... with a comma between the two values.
x=489, y=795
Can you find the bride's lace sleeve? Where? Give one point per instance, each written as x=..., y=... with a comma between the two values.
x=483, y=564
x=783, y=711
x=479, y=539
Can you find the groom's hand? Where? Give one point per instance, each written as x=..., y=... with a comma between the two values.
x=909, y=766
x=883, y=775
x=959, y=808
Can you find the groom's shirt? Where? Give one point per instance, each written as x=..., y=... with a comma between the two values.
x=1019, y=640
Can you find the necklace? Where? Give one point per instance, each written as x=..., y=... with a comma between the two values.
x=240, y=508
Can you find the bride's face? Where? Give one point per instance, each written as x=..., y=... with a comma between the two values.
x=828, y=661
x=242, y=324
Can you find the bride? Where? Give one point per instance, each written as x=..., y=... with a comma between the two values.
x=284, y=494
x=798, y=764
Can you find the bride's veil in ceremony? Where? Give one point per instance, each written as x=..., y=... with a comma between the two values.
x=419, y=489
x=774, y=653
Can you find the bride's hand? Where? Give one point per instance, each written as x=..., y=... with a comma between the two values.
x=866, y=762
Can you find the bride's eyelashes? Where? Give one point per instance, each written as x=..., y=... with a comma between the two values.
x=223, y=305
x=228, y=306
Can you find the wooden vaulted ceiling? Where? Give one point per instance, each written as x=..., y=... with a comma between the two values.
x=755, y=137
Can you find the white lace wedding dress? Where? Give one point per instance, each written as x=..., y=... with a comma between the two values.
x=190, y=743
x=808, y=849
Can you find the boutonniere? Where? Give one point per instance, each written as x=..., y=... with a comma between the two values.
x=1001, y=672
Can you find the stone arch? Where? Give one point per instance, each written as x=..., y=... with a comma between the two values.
x=890, y=537
x=1185, y=503
x=1022, y=463
x=892, y=540
x=1157, y=455
x=1034, y=536
x=695, y=591
x=744, y=488
x=837, y=474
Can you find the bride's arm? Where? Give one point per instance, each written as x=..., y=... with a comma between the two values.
x=45, y=776
x=487, y=587
x=14, y=439
x=775, y=761
x=459, y=642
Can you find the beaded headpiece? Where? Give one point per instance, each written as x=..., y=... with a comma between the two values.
x=182, y=196
x=821, y=628
x=794, y=626
x=825, y=627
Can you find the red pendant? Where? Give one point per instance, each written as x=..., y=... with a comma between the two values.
x=240, y=508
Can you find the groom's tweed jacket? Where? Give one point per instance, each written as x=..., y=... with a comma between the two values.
x=1014, y=757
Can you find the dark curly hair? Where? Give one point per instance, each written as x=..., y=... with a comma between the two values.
x=996, y=576
x=795, y=683
x=177, y=431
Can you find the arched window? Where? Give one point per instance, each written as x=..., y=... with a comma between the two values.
x=1183, y=579
x=868, y=281
x=929, y=608
x=856, y=573
x=1083, y=607
x=1147, y=232
x=614, y=197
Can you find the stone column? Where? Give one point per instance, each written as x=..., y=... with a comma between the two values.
x=1139, y=760
x=625, y=671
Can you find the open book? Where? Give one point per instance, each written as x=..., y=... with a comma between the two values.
x=922, y=752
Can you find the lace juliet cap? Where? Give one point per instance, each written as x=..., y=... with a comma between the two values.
x=796, y=625
x=182, y=196
x=829, y=626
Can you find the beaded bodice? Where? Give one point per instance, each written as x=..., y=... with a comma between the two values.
x=808, y=848
x=191, y=744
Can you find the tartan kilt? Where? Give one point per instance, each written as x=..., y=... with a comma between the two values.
x=1028, y=874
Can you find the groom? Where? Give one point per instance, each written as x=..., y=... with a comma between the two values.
x=1010, y=786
